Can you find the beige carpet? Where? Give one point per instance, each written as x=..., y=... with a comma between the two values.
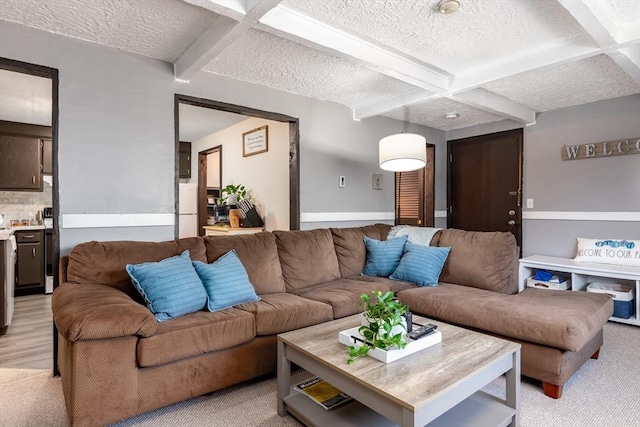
x=604, y=392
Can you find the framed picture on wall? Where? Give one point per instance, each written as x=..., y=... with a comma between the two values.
x=255, y=141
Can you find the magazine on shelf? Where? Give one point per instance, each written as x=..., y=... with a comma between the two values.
x=323, y=393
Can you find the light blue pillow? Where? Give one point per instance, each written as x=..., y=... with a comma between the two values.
x=421, y=264
x=170, y=287
x=383, y=256
x=226, y=282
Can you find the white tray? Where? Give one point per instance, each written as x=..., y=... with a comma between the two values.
x=387, y=356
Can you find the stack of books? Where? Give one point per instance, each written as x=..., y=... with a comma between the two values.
x=323, y=393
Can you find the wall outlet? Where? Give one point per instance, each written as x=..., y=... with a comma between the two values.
x=529, y=203
x=377, y=181
x=341, y=182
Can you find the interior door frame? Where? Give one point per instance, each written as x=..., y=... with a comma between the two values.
x=50, y=73
x=518, y=134
x=294, y=147
x=202, y=185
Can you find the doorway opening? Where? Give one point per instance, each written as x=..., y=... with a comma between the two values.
x=209, y=184
x=20, y=67
x=291, y=156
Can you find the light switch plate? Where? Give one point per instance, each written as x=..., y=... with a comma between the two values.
x=529, y=203
x=341, y=182
x=377, y=181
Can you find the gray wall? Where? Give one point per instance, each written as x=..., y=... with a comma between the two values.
x=566, y=189
x=116, y=137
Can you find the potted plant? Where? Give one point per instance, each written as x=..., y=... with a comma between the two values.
x=232, y=193
x=384, y=324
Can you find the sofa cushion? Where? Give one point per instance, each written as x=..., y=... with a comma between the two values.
x=170, y=287
x=259, y=255
x=350, y=249
x=560, y=319
x=383, y=257
x=307, y=257
x=105, y=262
x=283, y=312
x=393, y=285
x=194, y=334
x=226, y=282
x=484, y=260
x=343, y=295
x=421, y=264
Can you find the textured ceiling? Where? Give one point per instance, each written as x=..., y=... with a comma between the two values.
x=455, y=43
x=433, y=114
x=492, y=60
x=160, y=29
x=265, y=59
x=569, y=84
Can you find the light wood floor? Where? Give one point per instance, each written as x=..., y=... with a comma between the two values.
x=28, y=343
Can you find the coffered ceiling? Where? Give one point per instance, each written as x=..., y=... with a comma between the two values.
x=404, y=59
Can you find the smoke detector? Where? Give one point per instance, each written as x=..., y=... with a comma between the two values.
x=448, y=6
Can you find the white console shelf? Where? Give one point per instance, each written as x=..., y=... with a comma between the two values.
x=583, y=273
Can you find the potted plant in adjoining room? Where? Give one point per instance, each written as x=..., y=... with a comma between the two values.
x=384, y=324
x=232, y=193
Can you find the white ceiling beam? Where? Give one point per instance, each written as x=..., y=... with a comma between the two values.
x=220, y=34
x=393, y=102
x=596, y=19
x=629, y=61
x=335, y=41
x=498, y=105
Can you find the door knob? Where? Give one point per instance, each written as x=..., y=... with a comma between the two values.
x=511, y=222
x=512, y=212
x=419, y=222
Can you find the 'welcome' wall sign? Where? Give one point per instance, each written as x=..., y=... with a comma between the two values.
x=600, y=149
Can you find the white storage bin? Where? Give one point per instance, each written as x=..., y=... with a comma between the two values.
x=541, y=284
x=623, y=296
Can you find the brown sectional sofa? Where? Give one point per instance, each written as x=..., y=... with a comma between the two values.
x=117, y=361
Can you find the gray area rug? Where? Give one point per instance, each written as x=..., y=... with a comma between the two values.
x=604, y=392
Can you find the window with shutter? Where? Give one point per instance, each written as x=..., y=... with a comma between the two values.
x=414, y=194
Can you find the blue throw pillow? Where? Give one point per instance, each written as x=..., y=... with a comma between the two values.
x=170, y=288
x=226, y=282
x=421, y=264
x=383, y=256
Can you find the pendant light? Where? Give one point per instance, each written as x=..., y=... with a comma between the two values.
x=403, y=152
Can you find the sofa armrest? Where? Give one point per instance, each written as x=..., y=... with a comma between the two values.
x=90, y=311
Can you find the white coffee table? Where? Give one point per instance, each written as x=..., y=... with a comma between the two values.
x=438, y=386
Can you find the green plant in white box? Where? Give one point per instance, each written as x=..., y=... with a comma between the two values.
x=385, y=326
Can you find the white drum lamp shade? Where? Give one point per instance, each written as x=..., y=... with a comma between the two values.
x=403, y=152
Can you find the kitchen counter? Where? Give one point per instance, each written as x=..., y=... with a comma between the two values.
x=6, y=232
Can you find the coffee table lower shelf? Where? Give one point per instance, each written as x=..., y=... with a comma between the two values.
x=480, y=409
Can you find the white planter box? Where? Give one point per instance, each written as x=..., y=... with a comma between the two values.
x=386, y=356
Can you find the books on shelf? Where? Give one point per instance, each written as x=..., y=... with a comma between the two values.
x=323, y=393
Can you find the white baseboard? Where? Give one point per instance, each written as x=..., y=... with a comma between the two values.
x=582, y=216
x=354, y=216
x=116, y=220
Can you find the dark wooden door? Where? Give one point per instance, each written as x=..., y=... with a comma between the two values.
x=20, y=162
x=485, y=181
x=414, y=194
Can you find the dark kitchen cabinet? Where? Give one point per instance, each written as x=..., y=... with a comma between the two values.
x=184, y=160
x=31, y=262
x=47, y=157
x=20, y=163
